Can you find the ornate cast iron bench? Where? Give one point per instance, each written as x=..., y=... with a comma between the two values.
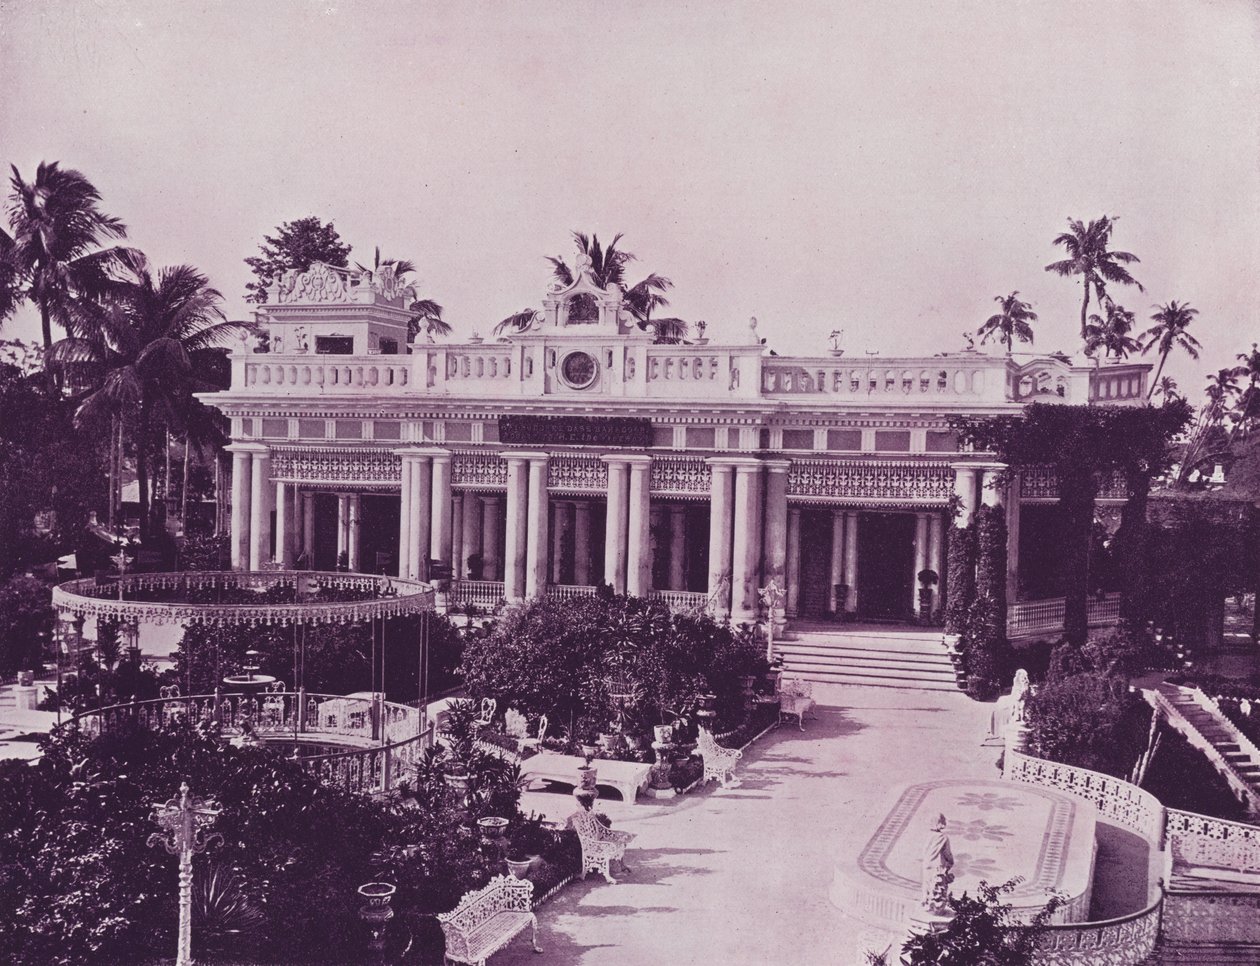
x=487, y=920
x=719, y=762
x=796, y=698
x=600, y=846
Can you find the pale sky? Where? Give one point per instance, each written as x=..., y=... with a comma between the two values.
x=881, y=167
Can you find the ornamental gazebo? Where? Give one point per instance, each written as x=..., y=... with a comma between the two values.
x=360, y=742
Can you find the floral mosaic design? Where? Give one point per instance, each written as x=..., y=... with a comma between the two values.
x=978, y=830
x=976, y=866
x=989, y=801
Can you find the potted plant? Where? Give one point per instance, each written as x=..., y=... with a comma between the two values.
x=928, y=579
x=518, y=862
x=492, y=826
x=375, y=911
x=586, y=775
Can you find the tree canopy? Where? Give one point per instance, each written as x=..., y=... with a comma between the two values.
x=295, y=245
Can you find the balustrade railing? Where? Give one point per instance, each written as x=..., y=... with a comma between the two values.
x=1046, y=616
x=1126, y=941
x=1210, y=918
x=1212, y=843
x=326, y=374
x=384, y=739
x=479, y=593
x=570, y=591
x=681, y=600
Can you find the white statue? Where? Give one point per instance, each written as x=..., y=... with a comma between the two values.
x=1020, y=690
x=938, y=861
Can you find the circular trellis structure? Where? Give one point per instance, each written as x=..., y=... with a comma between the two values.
x=254, y=598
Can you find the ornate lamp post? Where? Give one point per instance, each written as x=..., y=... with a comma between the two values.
x=184, y=822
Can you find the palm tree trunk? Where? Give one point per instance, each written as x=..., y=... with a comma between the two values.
x=1084, y=306
x=1163, y=357
x=50, y=374
x=183, y=493
x=113, y=477
x=142, y=465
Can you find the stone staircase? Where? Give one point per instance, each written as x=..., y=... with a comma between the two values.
x=1236, y=760
x=1205, y=954
x=874, y=655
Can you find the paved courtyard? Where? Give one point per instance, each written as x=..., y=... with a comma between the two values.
x=741, y=875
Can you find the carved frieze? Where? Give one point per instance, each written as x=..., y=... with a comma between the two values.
x=677, y=474
x=358, y=466
x=871, y=480
x=574, y=472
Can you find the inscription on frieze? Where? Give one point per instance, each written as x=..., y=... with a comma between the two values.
x=631, y=431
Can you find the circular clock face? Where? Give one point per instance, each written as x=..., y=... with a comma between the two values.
x=578, y=370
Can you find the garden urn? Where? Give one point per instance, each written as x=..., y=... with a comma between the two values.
x=375, y=911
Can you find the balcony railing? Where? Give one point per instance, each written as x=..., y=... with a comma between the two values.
x=479, y=593
x=382, y=739
x=1046, y=616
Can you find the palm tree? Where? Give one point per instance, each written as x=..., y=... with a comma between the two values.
x=426, y=313
x=608, y=267
x=1112, y=333
x=1089, y=257
x=517, y=321
x=1013, y=322
x=1247, y=409
x=1167, y=389
x=1168, y=333
x=54, y=252
x=153, y=340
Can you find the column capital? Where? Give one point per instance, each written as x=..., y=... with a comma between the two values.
x=986, y=466
x=730, y=462
x=528, y=456
x=639, y=463
x=777, y=466
x=413, y=452
x=247, y=448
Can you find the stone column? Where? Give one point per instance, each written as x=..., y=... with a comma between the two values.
x=936, y=555
x=442, y=527
x=617, y=509
x=582, y=543
x=517, y=528
x=242, y=465
x=639, y=529
x=851, y=558
x=418, y=519
x=677, y=547
x=491, y=527
x=776, y=548
x=259, y=508
x=991, y=492
x=457, y=535
x=920, y=558
x=721, y=487
x=746, y=552
x=308, y=528
x=536, y=551
x=470, y=539
x=834, y=604
x=343, y=527
x=793, y=575
x=965, y=491
x=1013, y=496
x=405, y=503
x=283, y=555
x=559, y=538
x=352, y=550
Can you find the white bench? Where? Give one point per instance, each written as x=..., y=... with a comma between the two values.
x=627, y=777
x=601, y=846
x=719, y=762
x=488, y=919
x=796, y=699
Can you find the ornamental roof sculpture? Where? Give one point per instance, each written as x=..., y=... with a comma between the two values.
x=324, y=284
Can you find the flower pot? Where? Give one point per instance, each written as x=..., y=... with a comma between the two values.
x=663, y=733
x=586, y=778
x=518, y=867
x=375, y=912
x=589, y=751
x=459, y=781
x=492, y=826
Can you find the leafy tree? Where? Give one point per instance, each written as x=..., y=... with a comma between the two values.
x=53, y=255
x=1091, y=259
x=26, y=619
x=1013, y=322
x=151, y=341
x=1166, y=388
x=1087, y=718
x=296, y=245
x=983, y=932
x=1168, y=333
x=1111, y=334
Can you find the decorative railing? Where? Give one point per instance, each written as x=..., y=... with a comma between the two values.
x=1238, y=782
x=352, y=466
x=1127, y=941
x=1117, y=800
x=1212, y=843
x=479, y=469
x=570, y=591
x=978, y=378
x=1046, y=616
x=326, y=375
x=577, y=473
x=188, y=597
x=1210, y=918
x=680, y=475
x=385, y=739
x=681, y=600
x=479, y=593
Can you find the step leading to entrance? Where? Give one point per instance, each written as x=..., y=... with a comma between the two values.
x=877, y=655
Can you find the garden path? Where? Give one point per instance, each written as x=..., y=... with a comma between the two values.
x=741, y=875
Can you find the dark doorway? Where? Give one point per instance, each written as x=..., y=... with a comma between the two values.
x=325, y=531
x=378, y=534
x=885, y=565
x=814, y=599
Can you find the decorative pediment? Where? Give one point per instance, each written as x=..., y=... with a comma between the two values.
x=323, y=284
x=583, y=303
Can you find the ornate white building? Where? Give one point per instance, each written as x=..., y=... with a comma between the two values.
x=579, y=452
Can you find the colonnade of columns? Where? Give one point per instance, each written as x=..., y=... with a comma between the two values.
x=529, y=540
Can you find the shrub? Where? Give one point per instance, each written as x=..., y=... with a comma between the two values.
x=1089, y=720
x=26, y=618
